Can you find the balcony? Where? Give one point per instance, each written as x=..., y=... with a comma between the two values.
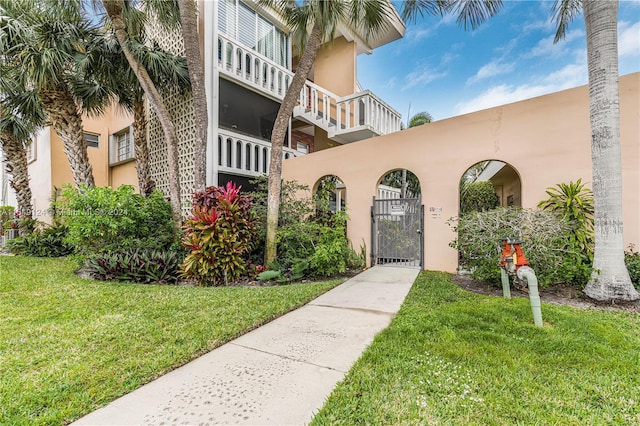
x=345, y=119
x=243, y=155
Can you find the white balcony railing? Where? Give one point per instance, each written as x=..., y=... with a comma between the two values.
x=339, y=116
x=244, y=155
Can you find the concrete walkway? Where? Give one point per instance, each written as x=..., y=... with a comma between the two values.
x=278, y=374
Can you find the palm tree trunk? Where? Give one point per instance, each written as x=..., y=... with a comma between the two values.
x=63, y=114
x=189, y=24
x=16, y=158
x=140, y=146
x=114, y=10
x=610, y=280
x=277, y=139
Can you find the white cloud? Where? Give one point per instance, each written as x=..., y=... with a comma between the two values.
x=547, y=48
x=390, y=84
x=571, y=75
x=493, y=68
x=422, y=75
x=628, y=39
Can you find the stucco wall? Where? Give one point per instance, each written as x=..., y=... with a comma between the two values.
x=545, y=139
x=335, y=67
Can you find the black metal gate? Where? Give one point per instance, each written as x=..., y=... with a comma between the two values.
x=396, y=232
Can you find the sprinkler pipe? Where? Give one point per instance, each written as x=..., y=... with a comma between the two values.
x=528, y=274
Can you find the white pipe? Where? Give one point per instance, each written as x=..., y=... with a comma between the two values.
x=526, y=273
x=506, y=291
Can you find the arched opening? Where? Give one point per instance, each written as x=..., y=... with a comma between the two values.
x=330, y=194
x=397, y=226
x=400, y=183
x=489, y=184
x=484, y=187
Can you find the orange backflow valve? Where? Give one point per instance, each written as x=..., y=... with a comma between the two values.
x=512, y=257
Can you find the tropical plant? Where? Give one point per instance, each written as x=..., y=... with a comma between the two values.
x=48, y=241
x=574, y=202
x=219, y=234
x=47, y=47
x=106, y=220
x=137, y=265
x=323, y=17
x=632, y=260
x=610, y=279
x=118, y=12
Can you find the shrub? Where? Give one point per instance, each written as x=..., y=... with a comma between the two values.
x=219, y=234
x=547, y=246
x=49, y=241
x=6, y=216
x=104, y=219
x=295, y=206
x=138, y=265
x=312, y=239
x=478, y=197
x=632, y=260
x=575, y=203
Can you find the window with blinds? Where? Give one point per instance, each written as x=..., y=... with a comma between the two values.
x=241, y=23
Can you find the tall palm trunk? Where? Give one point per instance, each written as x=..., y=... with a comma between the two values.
x=610, y=280
x=140, y=145
x=277, y=138
x=16, y=158
x=65, y=118
x=189, y=25
x=114, y=10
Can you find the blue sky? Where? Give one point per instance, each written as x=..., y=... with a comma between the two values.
x=445, y=70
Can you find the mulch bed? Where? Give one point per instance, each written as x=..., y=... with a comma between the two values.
x=558, y=294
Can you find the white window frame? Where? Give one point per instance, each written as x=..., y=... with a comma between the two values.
x=32, y=151
x=302, y=147
x=90, y=144
x=276, y=30
x=116, y=154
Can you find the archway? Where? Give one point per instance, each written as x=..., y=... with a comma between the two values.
x=399, y=183
x=397, y=221
x=489, y=184
x=330, y=194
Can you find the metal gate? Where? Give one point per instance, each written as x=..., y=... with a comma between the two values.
x=396, y=232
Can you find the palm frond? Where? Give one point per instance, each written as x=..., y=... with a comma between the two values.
x=563, y=12
x=472, y=13
x=411, y=9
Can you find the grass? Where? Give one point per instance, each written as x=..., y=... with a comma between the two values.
x=69, y=345
x=451, y=357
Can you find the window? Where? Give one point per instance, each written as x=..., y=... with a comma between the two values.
x=121, y=146
x=238, y=22
x=31, y=151
x=92, y=140
x=303, y=147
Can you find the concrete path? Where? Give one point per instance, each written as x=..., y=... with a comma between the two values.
x=278, y=374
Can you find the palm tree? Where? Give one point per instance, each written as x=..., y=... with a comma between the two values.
x=42, y=43
x=183, y=14
x=323, y=17
x=15, y=134
x=189, y=26
x=610, y=280
x=168, y=72
x=117, y=10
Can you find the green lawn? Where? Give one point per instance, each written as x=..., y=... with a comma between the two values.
x=70, y=345
x=451, y=357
